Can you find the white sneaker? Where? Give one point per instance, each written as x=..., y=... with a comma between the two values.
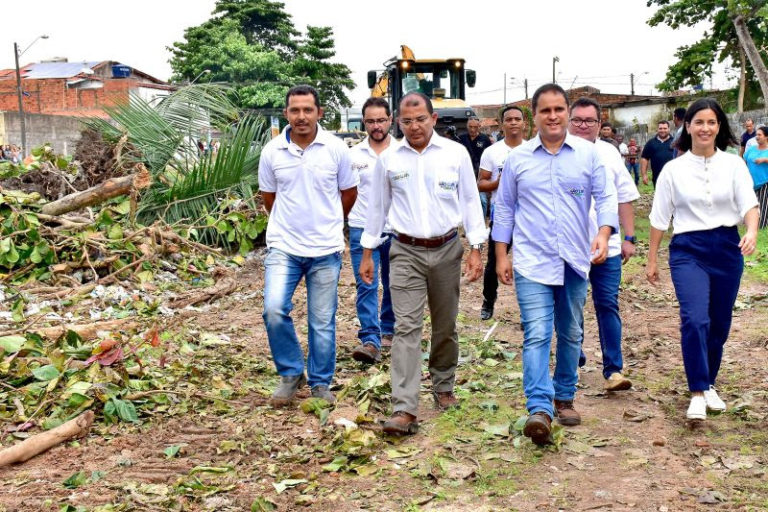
x=714, y=403
x=698, y=408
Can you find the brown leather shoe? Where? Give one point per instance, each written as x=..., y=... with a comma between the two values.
x=367, y=354
x=386, y=342
x=401, y=423
x=566, y=414
x=539, y=428
x=445, y=400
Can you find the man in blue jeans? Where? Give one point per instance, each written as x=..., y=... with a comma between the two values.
x=308, y=187
x=606, y=277
x=375, y=331
x=542, y=203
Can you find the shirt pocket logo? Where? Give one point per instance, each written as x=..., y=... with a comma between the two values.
x=447, y=183
x=576, y=191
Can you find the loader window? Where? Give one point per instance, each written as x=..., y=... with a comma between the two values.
x=425, y=78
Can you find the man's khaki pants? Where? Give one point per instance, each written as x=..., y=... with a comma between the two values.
x=418, y=274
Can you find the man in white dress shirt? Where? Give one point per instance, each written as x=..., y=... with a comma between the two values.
x=605, y=278
x=308, y=188
x=376, y=328
x=425, y=186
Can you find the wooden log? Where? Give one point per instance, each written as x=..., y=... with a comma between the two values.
x=98, y=194
x=25, y=450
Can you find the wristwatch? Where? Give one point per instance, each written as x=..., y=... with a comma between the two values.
x=479, y=247
x=632, y=239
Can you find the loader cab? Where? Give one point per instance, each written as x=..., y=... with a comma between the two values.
x=443, y=81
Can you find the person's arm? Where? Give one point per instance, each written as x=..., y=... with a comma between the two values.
x=644, y=169
x=472, y=217
x=269, y=200
x=627, y=221
x=484, y=183
x=652, y=267
x=348, y=198
x=504, y=221
x=748, y=242
x=606, y=208
x=380, y=196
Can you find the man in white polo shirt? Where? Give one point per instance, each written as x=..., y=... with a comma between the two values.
x=375, y=328
x=425, y=186
x=308, y=187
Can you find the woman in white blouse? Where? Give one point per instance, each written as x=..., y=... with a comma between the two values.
x=706, y=192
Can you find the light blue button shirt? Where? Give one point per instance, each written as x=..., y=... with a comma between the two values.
x=544, y=198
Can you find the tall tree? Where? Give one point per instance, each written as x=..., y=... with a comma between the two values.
x=736, y=25
x=263, y=22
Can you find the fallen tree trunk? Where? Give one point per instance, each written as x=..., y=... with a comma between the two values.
x=98, y=194
x=25, y=450
x=224, y=286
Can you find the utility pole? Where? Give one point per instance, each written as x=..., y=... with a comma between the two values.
x=554, y=59
x=505, y=89
x=525, y=84
x=632, y=84
x=20, y=93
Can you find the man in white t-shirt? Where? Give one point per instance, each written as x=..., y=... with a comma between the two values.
x=376, y=328
x=491, y=163
x=308, y=187
x=606, y=277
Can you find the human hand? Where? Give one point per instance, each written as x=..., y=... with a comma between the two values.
x=748, y=243
x=627, y=251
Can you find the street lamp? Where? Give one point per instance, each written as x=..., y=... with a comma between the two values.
x=20, y=93
x=554, y=59
x=632, y=81
x=203, y=72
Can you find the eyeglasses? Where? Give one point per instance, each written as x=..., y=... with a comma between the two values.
x=581, y=122
x=418, y=120
x=373, y=122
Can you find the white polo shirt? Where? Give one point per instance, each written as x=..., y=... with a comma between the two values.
x=626, y=190
x=493, y=159
x=424, y=195
x=699, y=193
x=363, y=159
x=307, y=218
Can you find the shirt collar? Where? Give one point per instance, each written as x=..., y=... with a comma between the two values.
x=435, y=140
x=537, y=143
x=321, y=137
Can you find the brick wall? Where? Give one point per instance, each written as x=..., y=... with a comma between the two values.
x=53, y=95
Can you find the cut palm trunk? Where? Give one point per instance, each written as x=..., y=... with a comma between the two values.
x=25, y=450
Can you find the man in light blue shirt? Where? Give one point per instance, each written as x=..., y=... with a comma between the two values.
x=543, y=199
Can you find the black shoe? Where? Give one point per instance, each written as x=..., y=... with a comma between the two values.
x=486, y=313
x=582, y=358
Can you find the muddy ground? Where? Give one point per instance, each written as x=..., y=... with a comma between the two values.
x=634, y=450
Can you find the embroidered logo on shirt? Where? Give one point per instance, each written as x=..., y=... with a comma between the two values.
x=359, y=167
x=448, y=185
x=576, y=192
x=400, y=176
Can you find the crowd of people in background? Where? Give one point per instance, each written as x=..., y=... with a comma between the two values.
x=10, y=153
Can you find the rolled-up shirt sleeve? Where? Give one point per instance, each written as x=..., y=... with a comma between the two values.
x=743, y=190
x=504, y=208
x=469, y=203
x=663, y=203
x=380, y=198
x=604, y=195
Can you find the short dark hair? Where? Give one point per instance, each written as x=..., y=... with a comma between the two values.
x=763, y=129
x=506, y=108
x=410, y=100
x=548, y=88
x=663, y=121
x=302, y=90
x=605, y=124
x=584, y=102
x=377, y=102
x=724, y=136
x=679, y=113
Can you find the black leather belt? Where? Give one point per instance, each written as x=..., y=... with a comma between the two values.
x=429, y=243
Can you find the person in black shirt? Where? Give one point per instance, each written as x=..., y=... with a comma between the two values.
x=657, y=151
x=476, y=143
x=750, y=132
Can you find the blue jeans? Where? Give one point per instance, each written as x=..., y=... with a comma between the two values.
x=372, y=326
x=605, y=279
x=282, y=274
x=634, y=169
x=706, y=268
x=541, y=306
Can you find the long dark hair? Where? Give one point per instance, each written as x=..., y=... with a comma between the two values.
x=724, y=137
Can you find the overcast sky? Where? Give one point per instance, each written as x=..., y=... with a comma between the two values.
x=598, y=42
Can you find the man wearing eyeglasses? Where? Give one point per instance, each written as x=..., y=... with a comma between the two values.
x=491, y=164
x=376, y=328
x=424, y=185
x=546, y=189
x=606, y=277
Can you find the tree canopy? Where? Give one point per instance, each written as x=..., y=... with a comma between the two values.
x=721, y=41
x=252, y=45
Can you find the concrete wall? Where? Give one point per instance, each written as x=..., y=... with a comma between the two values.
x=62, y=132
